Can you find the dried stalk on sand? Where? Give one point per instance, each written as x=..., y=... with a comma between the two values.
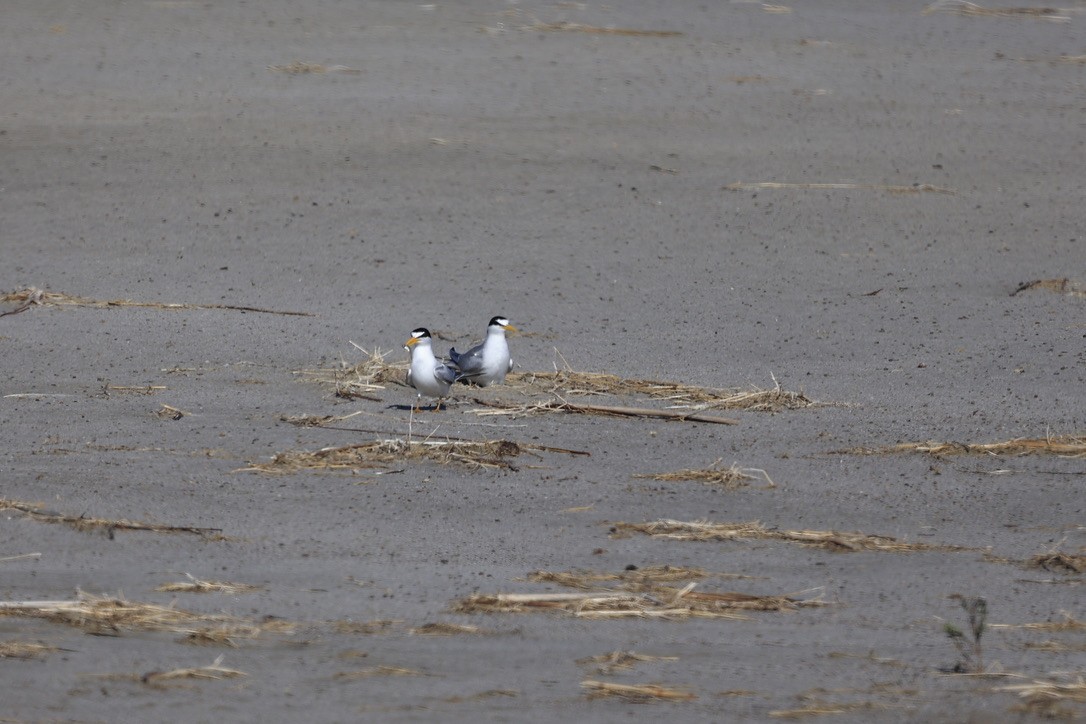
x=379, y=671
x=1039, y=692
x=565, y=26
x=607, y=664
x=914, y=189
x=1060, y=562
x=214, y=671
x=635, y=579
x=380, y=453
x=370, y=375
x=640, y=693
x=24, y=649
x=563, y=406
x=33, y=296
x=730, y=478
x=113, y=616
x=1064, y=285
x=195, y=585
x=1071, y=446
x=832, y=540
x=961, y=7
x=82, y=523
x=446, y=629
x=1069, y=623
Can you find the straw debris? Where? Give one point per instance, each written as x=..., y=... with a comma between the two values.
x=1043, y=694
x=477, y=454
x=564, y=26
x=38, y=297
x=638, y=693
x=300, y=68
x=1064, y=285
x=195, y=585
x=730, y=478
x=82, y=523
x=961, y=7
x=447, y=629
x=609, y=663
x=830, y=540
x=24, y=649
x=1059, y=562
x=1069, y=623
x=767, y=185
x=103, y=615
x=1069, y=446
x=370, y=375
x=372, y=671
x=636, y=577
x=213, y=671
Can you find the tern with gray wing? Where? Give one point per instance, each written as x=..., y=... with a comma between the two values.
x=427, y=375
x=489, y=362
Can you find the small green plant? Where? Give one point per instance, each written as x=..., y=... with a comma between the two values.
x=970, y=650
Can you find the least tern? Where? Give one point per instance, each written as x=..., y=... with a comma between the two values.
x=489, y=362
x=428, y=376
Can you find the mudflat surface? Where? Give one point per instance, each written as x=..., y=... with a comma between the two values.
x=387, y=165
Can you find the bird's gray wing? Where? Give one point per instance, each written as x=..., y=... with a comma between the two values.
x=445, y=372
x=470, y=362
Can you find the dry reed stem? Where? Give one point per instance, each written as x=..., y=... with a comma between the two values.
x=914, y=189
x=1039, y=691
x=213, y=671
x=1069, y=623
x=105, y=615
x=638, y=693
x=370, y=375
x=300, y=68
x=824, y=708
x=961, y=7
x=24, y=649
x=1060, y=562
x=597, y=30
x=81, y=523
x=640, y=577
x=569, y=383
x=620, y=661
x=730, y=478
x=563, y=406
x=1070, y=446
x=1064, y=285
x=446, y=629
x=592, y=605
x=1055, y=647
x=831, y=540
x=366, y=628
x=372, y=671
x=33, y=296
x=380, y=453
x=20, y=557
x=195, y=585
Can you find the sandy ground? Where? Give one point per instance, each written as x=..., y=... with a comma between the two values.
x=455, y=161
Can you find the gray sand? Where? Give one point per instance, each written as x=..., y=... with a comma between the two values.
x=461, y=164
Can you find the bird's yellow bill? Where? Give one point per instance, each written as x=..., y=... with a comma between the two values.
x=510, y=328
x=410, y=343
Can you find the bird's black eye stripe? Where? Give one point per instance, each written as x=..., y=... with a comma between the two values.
x=498, y=321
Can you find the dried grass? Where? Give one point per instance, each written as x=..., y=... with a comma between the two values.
x=563, y=26
x=366, y=628
x=638, y=693
x=82, y=523
x=607, y=664
x=300, y=68
x=447, y=629
x=631, y=600
x=381, y=453
x=105, y=615
x=638, y=577
x=1069, y=623
x=1059, y=562
x=767, y=185
x=961, y=7
x=1039, y=691
x=1064, y=285
x=824, y=708
x=1069, y=446
x=195, y=585
x=370, y=375
x=213, y=671
x=373, y=671
x=730, y=478
x=38, y=297
x=569, y=383
x=831, y=540
x=24, y=649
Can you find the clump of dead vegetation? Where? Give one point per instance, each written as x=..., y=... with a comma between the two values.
x=729, y=478
x=24, y=649
x=609, y=663
x=215, y=670
x=33, y=296
x=961, y=7
x=440, y=628
x=1063, y=285
x=84, y=523
x=1059, y=562
x=638, y=693
x=1048, y=697
x=641, y=593
x=1069, y=623
x=829, y=539
x=373, y=374
x=1070, y=446
x=299, y=68
x=105, y=615
x=195, y=585
x=492, y=454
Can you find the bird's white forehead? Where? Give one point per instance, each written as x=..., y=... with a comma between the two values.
x=501, y=320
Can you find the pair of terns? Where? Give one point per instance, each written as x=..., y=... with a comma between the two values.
x=485, y=364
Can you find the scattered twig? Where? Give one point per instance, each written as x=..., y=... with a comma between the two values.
x=35, y=296
x=914, y=189
x=640, y=693
x=730, y=478
x=83, y=523
x=1061, y=286
x=20, y=557
x=1071, y=446
x=563, y=406
x=961, y=7
x=195, y=585
x=213, y=671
